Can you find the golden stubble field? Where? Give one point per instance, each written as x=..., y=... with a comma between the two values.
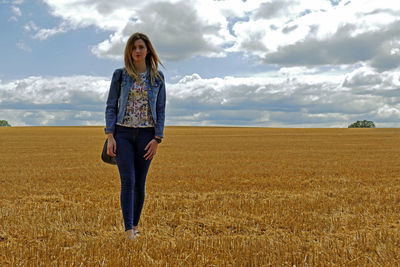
x=215, y=197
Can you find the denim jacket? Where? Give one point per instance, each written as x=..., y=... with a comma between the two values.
x=121, y=84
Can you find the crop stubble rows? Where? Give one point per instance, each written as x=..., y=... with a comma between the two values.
x=214, y=196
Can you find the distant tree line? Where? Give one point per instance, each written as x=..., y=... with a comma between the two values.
x=357, y=124
x=362, y=124
x=4, y=123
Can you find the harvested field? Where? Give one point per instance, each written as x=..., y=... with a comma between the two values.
x=215, y=196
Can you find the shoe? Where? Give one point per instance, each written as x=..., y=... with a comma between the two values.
x=130, y=236
x=136, y=232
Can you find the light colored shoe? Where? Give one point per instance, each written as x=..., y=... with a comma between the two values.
x=136, y=232
x=130, y=235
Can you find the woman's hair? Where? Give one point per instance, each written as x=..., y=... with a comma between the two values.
x=152, y=59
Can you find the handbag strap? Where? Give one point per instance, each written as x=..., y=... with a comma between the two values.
x=120, y=82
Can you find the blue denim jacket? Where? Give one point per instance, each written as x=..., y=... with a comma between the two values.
x=121, y=84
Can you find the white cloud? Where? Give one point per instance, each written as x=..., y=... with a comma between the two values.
x=179, y=29
x=296, y=33
x=43, y=34
x=16, y=11
x=389, y=112
x=285, y=33
x=67, y=91
x=274, y=99
x=76, y=100
x=320, y=20
x=23, y=46
x=176, y=34
x=31, y=26
x=339, y=61
x=13, y=18
x=367, y=78
x=306, y=99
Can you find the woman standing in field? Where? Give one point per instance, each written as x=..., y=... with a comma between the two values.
x=135, y=116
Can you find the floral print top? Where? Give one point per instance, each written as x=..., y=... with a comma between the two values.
x=138, y=113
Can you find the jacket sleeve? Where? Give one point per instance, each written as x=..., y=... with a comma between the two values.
x=160, y=108
x=112, y=101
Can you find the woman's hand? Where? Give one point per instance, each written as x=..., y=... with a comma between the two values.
x=151, y=149
x=111, y=146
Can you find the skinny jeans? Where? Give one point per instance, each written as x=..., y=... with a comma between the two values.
x=133, y=168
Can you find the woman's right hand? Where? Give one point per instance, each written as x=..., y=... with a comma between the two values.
x=111, y=146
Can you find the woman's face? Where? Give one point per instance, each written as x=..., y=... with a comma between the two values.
x=139, y=51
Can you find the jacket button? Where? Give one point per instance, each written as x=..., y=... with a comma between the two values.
x=152, y=99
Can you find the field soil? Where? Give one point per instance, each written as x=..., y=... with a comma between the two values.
x=215, y=196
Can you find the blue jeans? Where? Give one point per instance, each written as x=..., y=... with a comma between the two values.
x=133, y=169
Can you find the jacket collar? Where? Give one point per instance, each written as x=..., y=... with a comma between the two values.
x=133, y=79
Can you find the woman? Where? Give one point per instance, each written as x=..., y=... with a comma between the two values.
x=135, y=116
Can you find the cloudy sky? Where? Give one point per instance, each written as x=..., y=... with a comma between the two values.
x=271, y=63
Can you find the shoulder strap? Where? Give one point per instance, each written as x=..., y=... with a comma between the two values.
x=120, y=82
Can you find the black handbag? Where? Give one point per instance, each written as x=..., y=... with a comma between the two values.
x=107, y=158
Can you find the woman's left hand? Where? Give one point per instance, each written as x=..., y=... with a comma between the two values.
x=151, y=149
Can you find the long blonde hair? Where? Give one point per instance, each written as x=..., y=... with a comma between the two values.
x=152, y=59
